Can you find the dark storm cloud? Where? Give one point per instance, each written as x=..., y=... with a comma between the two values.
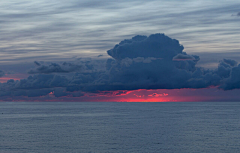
x=225, y=67
x=232, y=82
x=1, y=73
x=154, y=62
x=157, y=46
x=55, y=68
x=50, y=92
x=162, y=72
x=61, y=92
x=41, y=81
x=171, y=69
x=37, y=85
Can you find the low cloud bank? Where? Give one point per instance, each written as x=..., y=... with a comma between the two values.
x=154, y=62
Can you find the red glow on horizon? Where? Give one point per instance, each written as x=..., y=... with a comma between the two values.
x=15, y=77
x=112, y=93
x=5, y=79
x=144, y=100
x=141, y=95
x=158, y=95
x=152, y=95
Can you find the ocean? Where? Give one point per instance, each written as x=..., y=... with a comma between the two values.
x=105, y=127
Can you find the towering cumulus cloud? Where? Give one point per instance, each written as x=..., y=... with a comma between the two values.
x=154, y=62
x=158, y=46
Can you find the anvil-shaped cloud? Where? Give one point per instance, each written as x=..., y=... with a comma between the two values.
x=154, y=62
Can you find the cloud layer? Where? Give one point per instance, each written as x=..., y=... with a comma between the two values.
x=154, y=62
x=43, y=29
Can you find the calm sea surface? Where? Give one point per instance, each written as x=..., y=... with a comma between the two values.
x=94, y=127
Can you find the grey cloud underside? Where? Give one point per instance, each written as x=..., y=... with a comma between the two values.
x=154, y=62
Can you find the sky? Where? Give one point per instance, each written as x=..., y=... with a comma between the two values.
x=126, y=51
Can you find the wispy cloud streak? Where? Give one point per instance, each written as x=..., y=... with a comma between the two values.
x=88, y=28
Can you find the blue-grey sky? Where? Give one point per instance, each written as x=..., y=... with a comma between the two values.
x=62, y=48
x=58, y=29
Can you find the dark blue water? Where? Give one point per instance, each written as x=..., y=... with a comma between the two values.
x=120, y=127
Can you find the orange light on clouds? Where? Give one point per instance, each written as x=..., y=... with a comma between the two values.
x=51, y=93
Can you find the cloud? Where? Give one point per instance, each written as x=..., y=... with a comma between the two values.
x=55, y=68
x=157, y=46
x=33, y=83
x=41, y=81
x=183, y=57
x=230, y=62
x=225, y=67
x=28, y=93
x=113, y=93
x=37, y=63
x=185, y=61
x=38, y=85
x=1, y=73
x=61, y=92
x=169, y=67
x=232, y=82
x=158, y=95
x=49, y=28
x=139, y=96
x=154, y=62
